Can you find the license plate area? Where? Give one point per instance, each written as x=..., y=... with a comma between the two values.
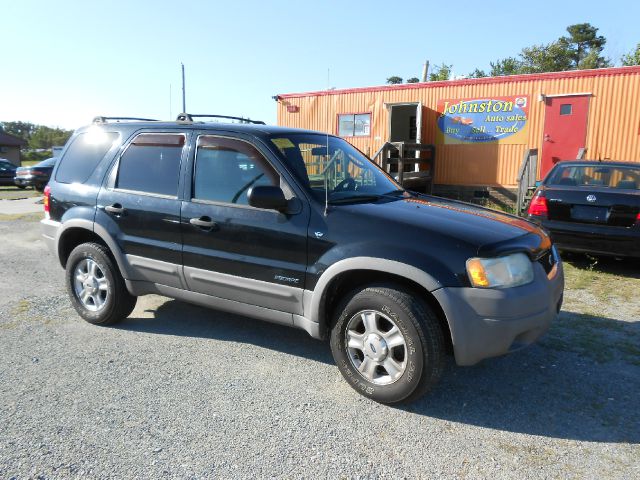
x=588, y=214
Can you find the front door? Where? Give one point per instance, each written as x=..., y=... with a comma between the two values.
x=230, y=249
x=565, y=129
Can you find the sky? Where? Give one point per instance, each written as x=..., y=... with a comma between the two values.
x=65, y=62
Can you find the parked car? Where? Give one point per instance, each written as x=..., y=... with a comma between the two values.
x=7, y=172
x=36, y=176
x=298, y=228
x=591, y=207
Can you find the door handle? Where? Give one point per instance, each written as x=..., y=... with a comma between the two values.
x=116, y=209
x=203, y=222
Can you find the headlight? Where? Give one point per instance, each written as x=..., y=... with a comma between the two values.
x=501, y=272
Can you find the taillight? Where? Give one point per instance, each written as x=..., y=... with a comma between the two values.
x=47, y=196
x=638, y=219
x=538, y=206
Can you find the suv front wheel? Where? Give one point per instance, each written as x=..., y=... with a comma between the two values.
x=95, y=286
x=388, y=344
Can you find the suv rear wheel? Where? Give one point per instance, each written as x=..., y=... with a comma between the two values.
x=388, y=344
x=95, y=286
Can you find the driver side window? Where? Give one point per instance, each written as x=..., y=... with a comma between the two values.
x=226, y=169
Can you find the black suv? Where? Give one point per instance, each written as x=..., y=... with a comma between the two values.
x=298, y=228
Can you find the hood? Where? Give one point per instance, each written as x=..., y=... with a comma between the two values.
x=487, y=232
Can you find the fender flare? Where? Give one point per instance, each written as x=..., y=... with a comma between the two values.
x=312, y=304
x=101, y=232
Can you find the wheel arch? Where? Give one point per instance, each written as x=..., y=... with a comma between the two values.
x=78, y=231
x=349, y=275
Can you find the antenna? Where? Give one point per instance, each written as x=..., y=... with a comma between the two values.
x=184, y=103
x=326, y=174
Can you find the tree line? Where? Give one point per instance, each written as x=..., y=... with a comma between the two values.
x=581, y=49
x=37, y=136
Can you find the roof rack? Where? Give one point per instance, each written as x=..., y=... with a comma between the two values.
x=188, y=118
x=122, y=119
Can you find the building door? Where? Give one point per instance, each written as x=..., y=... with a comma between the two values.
x=405, y=122
x=565, y=129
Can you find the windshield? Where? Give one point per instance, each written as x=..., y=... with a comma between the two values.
x=326, y=164
x=596, y=175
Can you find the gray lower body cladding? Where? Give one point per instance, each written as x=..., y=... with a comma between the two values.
x=487, y=323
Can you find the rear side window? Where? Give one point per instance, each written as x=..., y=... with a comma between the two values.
x=226, y=169
x=151, y=164
x=84, y=155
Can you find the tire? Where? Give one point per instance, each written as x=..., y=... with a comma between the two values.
x=39, y=188
x=21, y=187
x=393, y=374
x=90, y=269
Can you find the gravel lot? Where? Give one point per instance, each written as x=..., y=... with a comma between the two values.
x=177, y=391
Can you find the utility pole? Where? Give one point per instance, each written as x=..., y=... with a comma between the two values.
x=184, y=102
x=425, y=71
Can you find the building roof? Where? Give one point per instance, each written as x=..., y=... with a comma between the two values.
x=7, y=140
x=599, y=72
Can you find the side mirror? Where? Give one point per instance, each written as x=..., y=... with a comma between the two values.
x=268, y=197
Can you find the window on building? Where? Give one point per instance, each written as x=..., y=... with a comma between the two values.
x=227, y=168
x=354, y=125
x=151, y=164
x=565, y=109
x=84, y=154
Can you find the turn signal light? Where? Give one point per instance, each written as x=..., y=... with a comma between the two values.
x=538, y=206
x=47, y=195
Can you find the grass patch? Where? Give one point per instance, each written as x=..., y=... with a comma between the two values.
x=609, y=281
x=500, y=207
x=27, y=217
x=22, y=307
x=15, y=193
x=29, y=163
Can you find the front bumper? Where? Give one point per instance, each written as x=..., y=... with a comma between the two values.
x=488, y=322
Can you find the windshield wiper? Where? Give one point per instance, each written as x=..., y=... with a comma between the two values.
x=355, y=198
x=399, y=191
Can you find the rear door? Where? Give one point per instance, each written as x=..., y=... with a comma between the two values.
x=140, y=208
x=565, y=129
x=230, y=249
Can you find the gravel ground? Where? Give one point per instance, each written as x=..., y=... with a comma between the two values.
x=178, y=391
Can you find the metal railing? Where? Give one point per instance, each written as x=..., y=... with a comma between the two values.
x=527, y=179
x=404, y=162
